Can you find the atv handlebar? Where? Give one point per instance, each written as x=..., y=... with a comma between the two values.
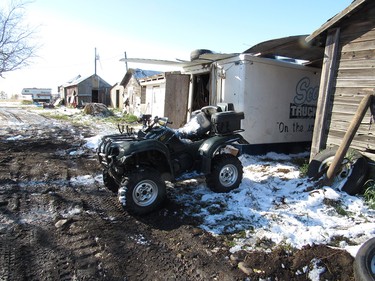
x=161, y=121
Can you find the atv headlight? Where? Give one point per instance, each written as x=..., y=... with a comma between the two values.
x=114, y=151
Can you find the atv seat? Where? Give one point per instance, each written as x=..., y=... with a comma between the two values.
x=210, y=109
x=197, y=127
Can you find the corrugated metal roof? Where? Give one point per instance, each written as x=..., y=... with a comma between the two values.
x=137, y=73
x=294, y=47
x=78, y=79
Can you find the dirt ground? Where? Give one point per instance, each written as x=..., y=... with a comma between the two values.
x=55, y=228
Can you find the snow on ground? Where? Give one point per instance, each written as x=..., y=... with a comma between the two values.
x=273, y=206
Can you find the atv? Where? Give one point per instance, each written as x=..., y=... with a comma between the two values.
x=137, y=164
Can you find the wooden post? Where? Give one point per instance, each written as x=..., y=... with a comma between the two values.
x=325, y=90
x=349, y=135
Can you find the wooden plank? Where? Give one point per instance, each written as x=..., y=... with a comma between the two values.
x=345, y=107
x=365, y=128
x=356, y=64
x=176, y=98
x=356, y=73
x=352, y=92
x=358, y=46
x=357, y=55
x=347, y=99
x=325, y=91
x=365, y=32
x=351, y=83
x=359, y=144
x=345, y=118
x=347, y=139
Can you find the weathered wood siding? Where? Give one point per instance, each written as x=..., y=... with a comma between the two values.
x=355, y=77
x=133, y=90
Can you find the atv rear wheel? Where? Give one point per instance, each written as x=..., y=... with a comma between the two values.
x=226, y=173
x=142, y=191
x=109, y=182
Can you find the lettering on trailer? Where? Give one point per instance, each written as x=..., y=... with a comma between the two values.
x=306, y=94
x=303, y=107
x=303, y=111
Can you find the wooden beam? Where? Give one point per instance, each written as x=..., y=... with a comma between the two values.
x=325, y=90
x=349, y=135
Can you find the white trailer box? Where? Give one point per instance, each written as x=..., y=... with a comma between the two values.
x=278, y=98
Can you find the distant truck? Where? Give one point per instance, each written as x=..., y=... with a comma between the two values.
x=38, y=94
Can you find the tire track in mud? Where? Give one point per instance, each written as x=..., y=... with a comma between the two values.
x=20, y=116
x=28, y=247
x=10, y=116
x=140, y=248
x=54, y=229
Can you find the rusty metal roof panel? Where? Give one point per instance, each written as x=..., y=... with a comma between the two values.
x=294, y=47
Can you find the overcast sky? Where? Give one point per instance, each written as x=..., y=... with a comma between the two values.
x=68, y=32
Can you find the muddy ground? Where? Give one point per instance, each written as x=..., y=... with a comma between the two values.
x=54, y=227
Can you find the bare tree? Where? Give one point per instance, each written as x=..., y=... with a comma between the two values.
x=16, y=48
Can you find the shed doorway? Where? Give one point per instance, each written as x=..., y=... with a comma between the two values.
x=200, y=90
x=95, y=96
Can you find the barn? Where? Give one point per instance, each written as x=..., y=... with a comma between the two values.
x=347, y=81
x=82, y=90
x=132, y=98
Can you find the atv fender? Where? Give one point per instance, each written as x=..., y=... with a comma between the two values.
x=209, y=147
x=133, y=148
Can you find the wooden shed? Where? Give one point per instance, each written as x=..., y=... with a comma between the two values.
x=82, y=90
x=348, y=75
x=167, y=94
x=117, y=96
x=133, y=93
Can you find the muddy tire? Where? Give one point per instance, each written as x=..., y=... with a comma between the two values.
x=109, y=182
x=364, y=263
x=353, y=169
x=226, y=173
x=142, y=192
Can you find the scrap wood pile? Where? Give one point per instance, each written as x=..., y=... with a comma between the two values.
x=97, y=109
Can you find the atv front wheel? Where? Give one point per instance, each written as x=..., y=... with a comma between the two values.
x=142, y=192
x=226, y=173
x=110, y=182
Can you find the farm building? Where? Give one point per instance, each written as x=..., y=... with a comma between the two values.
x=348, y=75
x=345, y=106
x=117, y=96
x=82, y=90
x=166, y=95
x=133, y=95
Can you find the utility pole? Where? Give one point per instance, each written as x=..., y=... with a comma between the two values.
x=96, y=58
x=126, y=62
x=95, y=62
